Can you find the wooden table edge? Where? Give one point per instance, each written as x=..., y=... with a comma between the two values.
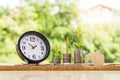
x=58, y=68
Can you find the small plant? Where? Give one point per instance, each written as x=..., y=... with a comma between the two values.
x=77, y=44
x=66, y=56
x=56, y=55
x=67, y=44
x=56, y=51
x=78, y=38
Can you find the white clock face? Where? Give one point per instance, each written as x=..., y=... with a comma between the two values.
x=33, y=47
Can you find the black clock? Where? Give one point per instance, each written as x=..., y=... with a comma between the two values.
x=33, y=47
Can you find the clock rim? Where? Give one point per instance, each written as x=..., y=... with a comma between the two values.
x=40, y=35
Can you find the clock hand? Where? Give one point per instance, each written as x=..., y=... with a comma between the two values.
x=34, y=46
x=31, y=45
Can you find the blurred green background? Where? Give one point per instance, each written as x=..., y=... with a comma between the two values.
x=62, y=22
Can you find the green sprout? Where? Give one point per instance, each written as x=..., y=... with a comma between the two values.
x=56, y=51
x=67, y=43
x=78, y=38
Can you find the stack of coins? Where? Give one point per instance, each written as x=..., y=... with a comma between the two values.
x=67, y=58
x=77, y=56
x=56, y=60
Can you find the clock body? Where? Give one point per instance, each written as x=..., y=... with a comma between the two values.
x=33, y=47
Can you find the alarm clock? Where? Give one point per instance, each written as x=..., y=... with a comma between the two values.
x=33, y=47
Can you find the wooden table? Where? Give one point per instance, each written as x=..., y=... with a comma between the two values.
x=63, y=67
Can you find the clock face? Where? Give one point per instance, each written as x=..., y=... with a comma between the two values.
x=33, y=47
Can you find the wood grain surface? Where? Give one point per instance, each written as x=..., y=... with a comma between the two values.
x=51, y=67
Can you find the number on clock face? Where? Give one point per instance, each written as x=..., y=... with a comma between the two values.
x=32, y=39
x=23, y=47
x=33, y=47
